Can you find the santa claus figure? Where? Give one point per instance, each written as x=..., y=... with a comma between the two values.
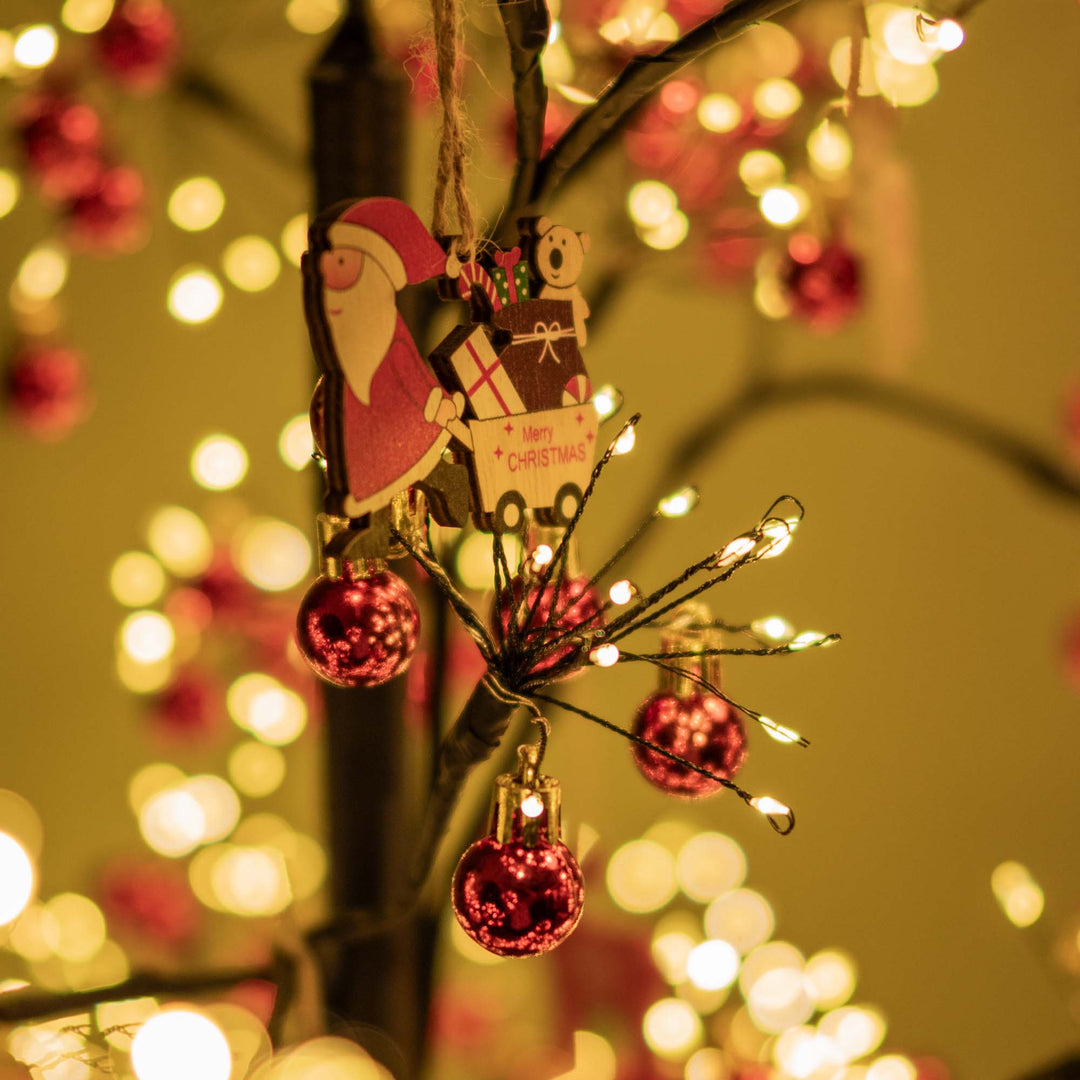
x=380, y=416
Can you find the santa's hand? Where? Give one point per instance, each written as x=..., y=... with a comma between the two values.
x=449, y=409
x=431, y=406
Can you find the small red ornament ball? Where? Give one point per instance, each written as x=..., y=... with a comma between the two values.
x=516, y=900
x=61, y=141
x=577, y=607
x=108, y=218
x=139, y=44
x=358, y=631
x=823, y=283
x=47, y=390
x=701, y=728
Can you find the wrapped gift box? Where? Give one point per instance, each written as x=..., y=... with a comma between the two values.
x=466, y=360
x=542, y=356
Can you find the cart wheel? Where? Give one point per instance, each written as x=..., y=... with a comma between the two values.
x=509, y=512
x=567, y=500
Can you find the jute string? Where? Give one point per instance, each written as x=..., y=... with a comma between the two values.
x=450, y=189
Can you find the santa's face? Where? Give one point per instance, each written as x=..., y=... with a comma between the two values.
x=361, y=310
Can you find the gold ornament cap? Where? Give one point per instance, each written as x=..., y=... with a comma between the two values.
x=690, y=631
x=527, y=806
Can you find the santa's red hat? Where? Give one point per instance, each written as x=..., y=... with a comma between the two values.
x=390, y=233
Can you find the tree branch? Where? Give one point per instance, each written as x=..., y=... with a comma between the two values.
x=527, y=24
x=1030, y=462
x=21, y=1005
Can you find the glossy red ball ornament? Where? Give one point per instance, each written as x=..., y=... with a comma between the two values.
x=519, y=890
x=699, y=727
x=108, y=218
x=47, y=390
x=61, y=141
x=139, y=44
x=358, y=630
x=577, y=607
x=823, y=283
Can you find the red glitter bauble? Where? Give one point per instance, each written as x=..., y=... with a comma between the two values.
x=577, y=607
x=191, y=707
x=150, y=900
x=47, y=390
x=61, y=140
x=823, y=288
x=516, y=900
x=702, y=728
x=1072, y=650
x=358, y=631
x=138, y=45
x=108, y=217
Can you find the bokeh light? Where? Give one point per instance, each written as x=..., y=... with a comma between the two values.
x=147, y=636
x=708, y=1063
x=294, y=238
x=180, y=540
x=251, y=263
x=709, y=865
x=86, y=16
x=669, y=234
x=256, y=769
x=856, y=1029
x=251, y=881
x=742, y=917
x=196, y=204
x=650, y=203
x=641, y=876
x=1018, y=893
x=151, y=779
x=43, y=272
x=830, y=978
x=9, y=191
x=20, y=820
x=219, y=462
x=712, y=965
x=784, y=206
x=313, y=16
x=719, y=112
x=180, y=1044
x=892, y=1067
x=777, y=99
x=272, y=554
x=194, y=296
x=219, y=803
x=17, y=878
x=905, y=84
x=136, y=579
x=672, y=1028
x=35, y=46
x=760, y=170
x=295, y=443
x=271, y=712
x=73, y=926
x=475, y=559
x=172, y=823
x=829, y=149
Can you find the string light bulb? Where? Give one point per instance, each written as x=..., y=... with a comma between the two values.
x=606, y=655
x=179, y=1044
x=679, y=503
x=17, y=879
x=622, y=592
x=35, y=47
x=625, y=442
x=607, y=401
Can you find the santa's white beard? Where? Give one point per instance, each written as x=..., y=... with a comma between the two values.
x=364, y=327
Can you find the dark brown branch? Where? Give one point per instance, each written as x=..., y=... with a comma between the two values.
x=710, y=432
x=201, y=88
x=473, y=739
x=527, y=24
x=21, y=1005
x=641, y=76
